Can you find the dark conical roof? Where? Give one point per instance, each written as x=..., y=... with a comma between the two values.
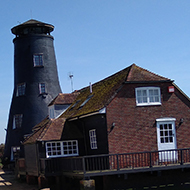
x=32, y=23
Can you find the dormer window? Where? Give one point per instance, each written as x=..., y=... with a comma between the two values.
x=21, y=89
x=146, y=96
x=38, y=60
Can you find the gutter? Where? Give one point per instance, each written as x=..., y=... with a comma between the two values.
x=147, y=82
x=101, y=111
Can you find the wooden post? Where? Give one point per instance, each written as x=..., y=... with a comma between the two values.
x=42, y=182
x=87, y=184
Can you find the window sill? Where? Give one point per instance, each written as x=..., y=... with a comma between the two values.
x=155, y=104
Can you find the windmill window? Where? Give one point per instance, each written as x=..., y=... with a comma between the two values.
x=38, y=60
x=14, y=152
x=42, y=88
x=21, y=89
x=146, y=96
x=17, y=121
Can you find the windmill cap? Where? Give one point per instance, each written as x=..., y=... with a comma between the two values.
x=32, y=23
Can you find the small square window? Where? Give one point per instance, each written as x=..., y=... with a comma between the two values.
x=38, y=60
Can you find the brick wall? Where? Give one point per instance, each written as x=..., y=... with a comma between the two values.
x=135, y=126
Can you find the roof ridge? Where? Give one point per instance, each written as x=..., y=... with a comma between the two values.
x=134, y=68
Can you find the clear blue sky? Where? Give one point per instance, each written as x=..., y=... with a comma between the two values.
x=96, y=38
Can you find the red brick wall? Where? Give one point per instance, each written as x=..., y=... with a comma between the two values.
x=135, y=126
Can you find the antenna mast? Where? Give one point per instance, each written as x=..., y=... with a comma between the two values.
x=71, y=78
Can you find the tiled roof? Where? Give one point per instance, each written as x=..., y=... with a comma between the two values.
x=64, y=99
x=139, y=74
x=50, y=130
x=102, y=93
x=104, y=90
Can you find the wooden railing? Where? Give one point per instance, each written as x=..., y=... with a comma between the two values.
x=116, y=163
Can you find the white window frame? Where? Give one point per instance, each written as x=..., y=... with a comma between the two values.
x=14, y=150
x=51, y=112
x=62, y=148
x=42, y=88
x=93, y=139
x=38, y=60
x=17, y=124
x=21, y=88
x=147, y=96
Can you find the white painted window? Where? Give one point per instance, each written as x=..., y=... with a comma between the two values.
x=14, y=152
x=93, y=140
x=21, y=89
x=51, y=112
x=38, y=60
x=62, y=148
x=148, y=96
x=17, y=121
x=42, y=88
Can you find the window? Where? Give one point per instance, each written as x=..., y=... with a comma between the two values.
x=17, y=121
x=75, y=104
x=21, y=89
x=93, y=141
x=38, y=60
x=15, y=152
x=42, y=88
x=62, y=148
x=148, y=96
x=89, y=97
x=51, y=112
x=166, y=133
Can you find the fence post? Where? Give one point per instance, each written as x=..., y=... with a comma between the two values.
x=150, y=154
x=117, y=162
x=83, y=165
x=181, y=152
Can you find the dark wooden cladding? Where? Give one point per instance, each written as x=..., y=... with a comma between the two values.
x=31, y=160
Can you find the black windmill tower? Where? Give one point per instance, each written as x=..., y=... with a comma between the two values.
x=36, y=82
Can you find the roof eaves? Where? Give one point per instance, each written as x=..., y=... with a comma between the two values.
x=147, y=82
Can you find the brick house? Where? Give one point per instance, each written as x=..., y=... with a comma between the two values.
x=132, y=111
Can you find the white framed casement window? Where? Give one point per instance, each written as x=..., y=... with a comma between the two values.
x=17, y=121
x=38, y=60
x=42, y=88
x=93, y=140
x=146, y=96
x=21, y=89
x=62, y=148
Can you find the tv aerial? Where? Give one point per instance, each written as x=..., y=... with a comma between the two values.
x=71, y=78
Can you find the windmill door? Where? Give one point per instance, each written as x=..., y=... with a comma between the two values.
x=166, y=138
